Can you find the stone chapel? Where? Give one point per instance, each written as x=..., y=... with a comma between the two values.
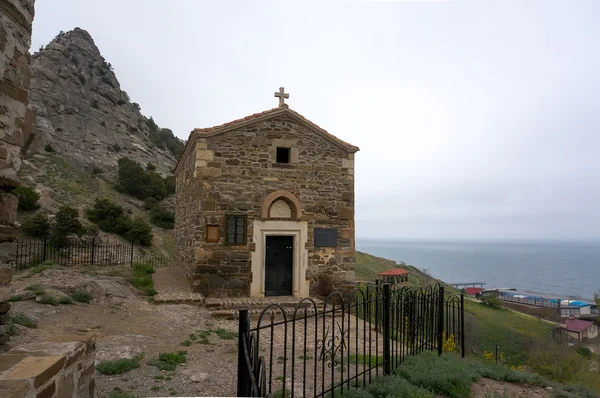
x=265, y=207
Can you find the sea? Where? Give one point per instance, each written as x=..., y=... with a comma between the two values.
x=555, y=267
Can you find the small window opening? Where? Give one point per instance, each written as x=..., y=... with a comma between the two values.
x=283, y=155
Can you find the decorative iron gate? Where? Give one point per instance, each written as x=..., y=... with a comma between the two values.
x=316, y=350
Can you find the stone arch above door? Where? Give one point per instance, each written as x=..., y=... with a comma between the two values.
x=286, y=196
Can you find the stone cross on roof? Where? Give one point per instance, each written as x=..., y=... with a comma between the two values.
x=282, y=96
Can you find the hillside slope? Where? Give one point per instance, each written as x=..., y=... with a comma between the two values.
x=83, y=113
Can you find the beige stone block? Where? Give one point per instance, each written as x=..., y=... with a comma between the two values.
x=204, y=172
x=204, y=154
x=350, y=276
x=347, y=164
x=200, y=254
x=346, y=213
x=270, y=179
x=39, y=369
x=347, y=233
x=284, y=143
x=201, y=144
x=201, y=163
x=351, y=172
x=351, y=156
x=294, y=155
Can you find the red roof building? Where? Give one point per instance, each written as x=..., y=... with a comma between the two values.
x=581, y=329
x=394, y=275
x=473, y=291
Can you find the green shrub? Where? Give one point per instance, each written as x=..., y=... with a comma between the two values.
x=186, y=343
x=446, y=374
x=66, y=222
x=15, y=298
x=65, y=300
x=389, y=386
x=82, y=296
x=164, y=138
x=162, y=217
x=140, y=269
x=111, y=217
x=47, y=299
x=37, y=225
x=28, y=198
x=22, y=319
x=134, y=180
x=117, y=366
x=150, y=203
x=140, y=232
x=120, y=394
x=40, y=268
x=96, y=170
x=491, y=300
x=584, y=352
x=48, y=148
x=224, y=334
x=169, y=360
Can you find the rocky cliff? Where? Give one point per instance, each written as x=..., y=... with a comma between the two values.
x=83, y=114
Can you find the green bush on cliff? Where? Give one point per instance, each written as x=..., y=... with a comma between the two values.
x=110, y=217
x=28, y=198
x=36, y=225
x=162, y=217
x=141, y=183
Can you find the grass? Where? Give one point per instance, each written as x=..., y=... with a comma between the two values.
x=186, y=343
x=82, y=296
x=41, y=268
x=485, y=327
x=117, y=366
x=65, y=300
x=430, y=375
x=16, y=298
x=370, y=360
x=142, y=278
x=224, y=334
x=120, y=394
x=47, y=299
x=37, y=289
x=22, y=319
x=169, y=360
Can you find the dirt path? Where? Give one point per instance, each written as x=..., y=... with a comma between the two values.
x=127, y=325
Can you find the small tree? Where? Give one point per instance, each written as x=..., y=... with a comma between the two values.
x=28, y=198
x=37, y=225
x=66, y=222
x=140, y=232
x=162, y=217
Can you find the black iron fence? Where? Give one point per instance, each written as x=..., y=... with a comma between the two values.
x=92, y=251
x=325, y=349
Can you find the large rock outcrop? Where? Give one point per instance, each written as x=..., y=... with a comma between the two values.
x=83, y=114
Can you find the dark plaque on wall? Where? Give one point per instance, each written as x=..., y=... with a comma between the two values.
x=325, y=237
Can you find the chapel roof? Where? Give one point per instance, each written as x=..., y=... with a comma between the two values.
x=265, y=115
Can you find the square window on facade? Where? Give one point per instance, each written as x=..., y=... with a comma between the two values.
x=236, y=230
x=283, y=155
x=325, y=237
x=212, y=233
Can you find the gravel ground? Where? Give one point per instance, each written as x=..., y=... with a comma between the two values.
x=127, y=325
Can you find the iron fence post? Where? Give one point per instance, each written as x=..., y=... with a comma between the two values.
x=242, y=376
x=387, y=368
x=462, y=325
x=131, y=259
x=441, y=321
x=44, y=250
x=93, y=244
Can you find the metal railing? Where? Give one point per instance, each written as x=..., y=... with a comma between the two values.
x=314, y=350
x=92, y=251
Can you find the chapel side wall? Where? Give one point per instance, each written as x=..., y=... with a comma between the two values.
x=241, y=171
x=188, y=231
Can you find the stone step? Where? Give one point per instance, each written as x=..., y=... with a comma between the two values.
x=241, y=303
x=179, y=298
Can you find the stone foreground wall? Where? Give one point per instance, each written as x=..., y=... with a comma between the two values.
x=16, y=17
x=49, y=370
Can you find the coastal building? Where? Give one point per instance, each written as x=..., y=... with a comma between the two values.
x=394, y=276
x=473, y=291
x=265, y=207
x=580, y=329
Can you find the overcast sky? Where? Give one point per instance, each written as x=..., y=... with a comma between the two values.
x=475, y=119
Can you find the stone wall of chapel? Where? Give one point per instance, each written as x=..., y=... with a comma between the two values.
x=236, y=170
